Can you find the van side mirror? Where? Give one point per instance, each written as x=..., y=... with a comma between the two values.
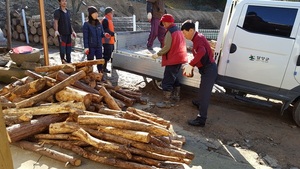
x=232, y=48
x=298, y=61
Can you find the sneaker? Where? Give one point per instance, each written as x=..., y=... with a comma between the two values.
x=197, y=122
x=195, y=103
x=149, y=48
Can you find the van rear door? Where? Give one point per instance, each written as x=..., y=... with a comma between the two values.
x=261, y=44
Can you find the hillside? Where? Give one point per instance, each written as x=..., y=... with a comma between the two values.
x=181, y=10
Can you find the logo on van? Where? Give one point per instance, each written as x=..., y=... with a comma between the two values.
x=259, y=59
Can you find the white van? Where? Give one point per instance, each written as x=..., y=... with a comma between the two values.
x=258, y=50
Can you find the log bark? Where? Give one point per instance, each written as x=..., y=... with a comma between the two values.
x=139, y=136
x=62, y=76
x=68, y=137
x=54, y=108
x=66, y=67
x=132, y=116
x=89, y=63
x=21, y=131
x=19, y=29
x=71, y=94
x=103, y=145
x=128, y=101
x=51, y=32
x=33, y=30
x=104, y=160
x=70, y=142
x=39, y=97
x=49, y=153
x=109, y=100
x=36, y=38
x=95, y=76
x=27, y=89
x=149, y=116
x=132, y=149
x=123, y=123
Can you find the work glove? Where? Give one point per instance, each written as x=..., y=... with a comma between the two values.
x=154, y=56
x=86, y=51
x=149, y=16
x=74, y=34
x=56, y=33
x=188, y=70
x=107, y=35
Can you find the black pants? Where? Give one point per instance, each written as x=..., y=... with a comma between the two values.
x=108, y=49
x=65, y=47
x=208, y=78
x=170, y=79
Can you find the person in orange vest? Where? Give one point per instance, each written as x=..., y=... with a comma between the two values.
x=108, y=43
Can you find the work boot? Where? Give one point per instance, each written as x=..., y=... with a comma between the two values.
x=105, y=70
x=176, y=94
x=199, y=121
x=167, y=101
x=149, y=47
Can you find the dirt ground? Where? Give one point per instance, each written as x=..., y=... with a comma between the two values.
x=233, y=122
x=236, y=123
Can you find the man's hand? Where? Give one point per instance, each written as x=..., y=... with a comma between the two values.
x=155, y=56
x=149, y=16
x=56, y=33
x=86, y=51
x=188, y=70
x=74, y=34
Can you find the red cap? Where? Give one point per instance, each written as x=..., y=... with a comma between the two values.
x=167, y=18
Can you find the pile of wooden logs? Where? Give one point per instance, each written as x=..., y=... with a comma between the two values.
x=71, y=107
x=34, y=29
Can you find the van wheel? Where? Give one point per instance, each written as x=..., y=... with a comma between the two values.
x=296, y=113
x=157, y=84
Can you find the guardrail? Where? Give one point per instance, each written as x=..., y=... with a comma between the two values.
x=130, y=24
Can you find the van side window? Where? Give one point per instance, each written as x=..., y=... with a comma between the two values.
x=273, y=21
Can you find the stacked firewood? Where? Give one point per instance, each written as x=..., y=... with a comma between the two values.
x=71, y=107
x=34, y=29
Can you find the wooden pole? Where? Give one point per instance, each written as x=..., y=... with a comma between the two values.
x=44, y=32
x=5, y=160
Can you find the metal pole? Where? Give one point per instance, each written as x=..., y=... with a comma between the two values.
x=44, y=32
x=25, y=26
x=134, y=22
x=197, y=26
x=82, y=18
x=8, y=23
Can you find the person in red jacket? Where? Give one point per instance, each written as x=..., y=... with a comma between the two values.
x=173, y=54
x=204, y=61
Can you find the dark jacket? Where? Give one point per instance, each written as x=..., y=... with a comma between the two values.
x=92, y=35
x=156, y=7
x=64, y=21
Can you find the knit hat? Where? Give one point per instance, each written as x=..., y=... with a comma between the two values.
x=108, y=10
x=92, y=9
x=167, y=18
